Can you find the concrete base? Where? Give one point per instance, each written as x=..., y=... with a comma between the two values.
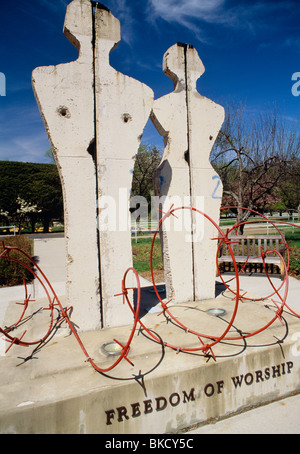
x=52, y=390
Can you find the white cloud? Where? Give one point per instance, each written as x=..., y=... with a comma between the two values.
x=181, y=11
x=186, y=12
x=23, y=137
x=122, y=10
x=249, y=16
x=31, y=148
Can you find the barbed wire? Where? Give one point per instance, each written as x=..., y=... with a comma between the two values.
x=207, y=341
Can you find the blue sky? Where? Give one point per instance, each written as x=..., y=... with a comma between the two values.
x=250, y=50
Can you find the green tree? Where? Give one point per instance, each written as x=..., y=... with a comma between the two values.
x=37, y=185
x=289, y=189
x=147, y=161
x=48, y=196
x=26, y=210
x=50, y=156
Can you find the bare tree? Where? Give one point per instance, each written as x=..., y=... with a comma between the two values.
x=289, y=189
x=252, y=154
x=147, y=161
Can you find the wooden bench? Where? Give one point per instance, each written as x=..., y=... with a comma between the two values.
x=247, y=250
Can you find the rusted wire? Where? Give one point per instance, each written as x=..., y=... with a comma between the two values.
x=224, y=238
x=5, y=332
x=207, y=341
x=54, y=301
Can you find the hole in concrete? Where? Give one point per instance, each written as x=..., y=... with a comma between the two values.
x=187, y=156
x=215, y=312
x=145, y=217
x=159, y=288
x=111, y=349
x=64, y=112
x=92, y=149
x=126, y=117
x=144, y=214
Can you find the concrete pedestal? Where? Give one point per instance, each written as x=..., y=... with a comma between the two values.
x=52, y=390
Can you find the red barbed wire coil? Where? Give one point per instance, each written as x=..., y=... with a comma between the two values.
x=207, y=341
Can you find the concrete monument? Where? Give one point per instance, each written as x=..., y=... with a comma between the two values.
x=189, y=124
x=94, y=117
x=65, y=96
x=174, y=376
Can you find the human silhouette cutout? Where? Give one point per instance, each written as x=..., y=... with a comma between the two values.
x=189, y=124
x=94, y=116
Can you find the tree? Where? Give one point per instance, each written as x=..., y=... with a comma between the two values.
x=26, y=210
x=147, y=161
x=289, y=189
x=48, y=197
x=50, y=156
x=252, y=154
x=30, y=186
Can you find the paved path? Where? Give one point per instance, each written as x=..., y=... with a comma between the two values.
x=50, y=255
x=281, y=417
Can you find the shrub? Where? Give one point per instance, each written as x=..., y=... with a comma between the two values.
x=294, y=239
x=295, y=262
x=11, y=272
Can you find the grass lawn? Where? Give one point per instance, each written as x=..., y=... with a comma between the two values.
x=294, y=245
x=141, y=258
x=141, y=255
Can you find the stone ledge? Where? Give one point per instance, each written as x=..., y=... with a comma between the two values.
x=57, y=392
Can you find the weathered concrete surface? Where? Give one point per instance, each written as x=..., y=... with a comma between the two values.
x=276, y=418
x=94, y=117
x=205, y=121
x=50, y=256
x=172, y=179
x=56, y=392
x=123, y=107
x=189, y=124
x=65, y=96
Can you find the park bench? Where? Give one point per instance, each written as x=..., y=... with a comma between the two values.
x=143, y=227
x=247, y=250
